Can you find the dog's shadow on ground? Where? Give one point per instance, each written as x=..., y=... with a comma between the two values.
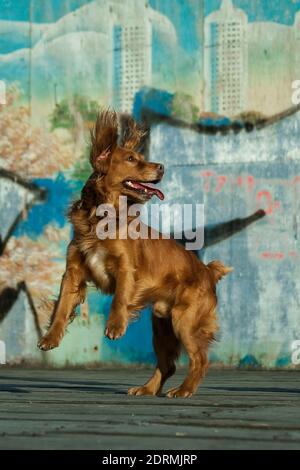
x=107, y=388
x=59, y=384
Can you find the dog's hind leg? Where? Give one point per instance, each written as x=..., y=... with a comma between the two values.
x=72, y=293
x=167, y=348
x=195, y=338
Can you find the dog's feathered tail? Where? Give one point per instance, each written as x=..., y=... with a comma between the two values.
x=218, y=270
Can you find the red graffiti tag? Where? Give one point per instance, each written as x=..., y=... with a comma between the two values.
x=221, y=181
x=270, y=204
x=207, y=179
x=278, y=255
x=246, y=180
x=269, y=255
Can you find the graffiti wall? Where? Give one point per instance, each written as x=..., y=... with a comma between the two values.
x=213, y=80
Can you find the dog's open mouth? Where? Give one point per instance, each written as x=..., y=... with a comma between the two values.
x=148, y=189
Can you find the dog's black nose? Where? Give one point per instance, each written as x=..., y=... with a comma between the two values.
x=160, y=168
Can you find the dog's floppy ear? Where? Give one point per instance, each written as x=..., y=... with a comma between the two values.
x=131, y=134
x=104, y=138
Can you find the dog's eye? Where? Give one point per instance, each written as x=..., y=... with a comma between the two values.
x=130, y=158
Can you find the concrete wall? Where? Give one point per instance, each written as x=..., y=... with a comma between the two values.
x=235, y=175
x=58, y=61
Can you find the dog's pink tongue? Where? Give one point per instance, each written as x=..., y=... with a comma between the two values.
x=155, y=191
x=151, y=189
x=159, y=194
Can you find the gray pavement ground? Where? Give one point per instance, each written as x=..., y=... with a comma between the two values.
x=89, y=409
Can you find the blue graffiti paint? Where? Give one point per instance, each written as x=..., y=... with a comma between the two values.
x=221, y=121
x=60, y=193
x=157, y=101
x=160, y=101
x=249, y=361
x=130, y=348
x=45, y=11
x=136, y=345
x=283, y=361
x=191, y=11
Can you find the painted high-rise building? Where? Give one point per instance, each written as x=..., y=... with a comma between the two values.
x=226, y=60
x=132, y=56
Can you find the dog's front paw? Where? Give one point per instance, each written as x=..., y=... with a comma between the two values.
x=115, y=328
x=50, y=341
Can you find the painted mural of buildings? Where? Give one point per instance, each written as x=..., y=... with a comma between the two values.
x=226, y=60
x=132, y=57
